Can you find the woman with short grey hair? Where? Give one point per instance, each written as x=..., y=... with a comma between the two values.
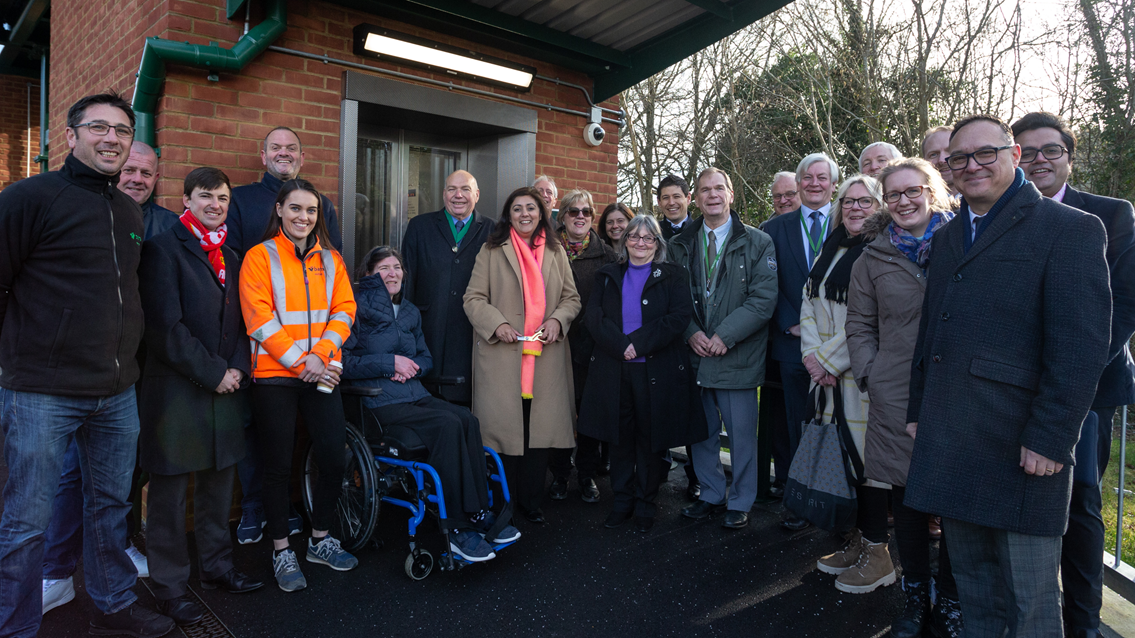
x=642, y=225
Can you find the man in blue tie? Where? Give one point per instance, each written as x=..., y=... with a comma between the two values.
x=797, y=237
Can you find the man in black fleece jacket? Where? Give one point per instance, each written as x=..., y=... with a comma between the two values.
x=70, y=325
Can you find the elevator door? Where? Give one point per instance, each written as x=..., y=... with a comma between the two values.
x=400, y=174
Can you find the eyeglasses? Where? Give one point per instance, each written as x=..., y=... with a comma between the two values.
x=983, y=157
x=785, y=196
x=861, y=202
x=1049, y=151
x=913, y=192
x=102, y=128
x=646, y=239
x=578, y=212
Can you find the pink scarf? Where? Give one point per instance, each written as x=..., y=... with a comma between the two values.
x=532, y=285
x=211, y=242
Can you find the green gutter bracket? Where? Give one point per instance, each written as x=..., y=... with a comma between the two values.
x=233, y=7
x=158, y=52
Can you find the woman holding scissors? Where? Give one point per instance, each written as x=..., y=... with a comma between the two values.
x=521, y=300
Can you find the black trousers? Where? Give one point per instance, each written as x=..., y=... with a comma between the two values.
x=528, y=472
x=913, y=536
x=635, y=470
x=274, y=412
x=796, y=380
x=588, y=451
x=871, y=513
x=166, y=544
x=453, y=437
x=1081, y=557
x=772, y=402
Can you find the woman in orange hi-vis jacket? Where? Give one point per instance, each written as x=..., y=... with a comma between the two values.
x=295, y=293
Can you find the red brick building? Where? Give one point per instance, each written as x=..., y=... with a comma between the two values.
x=380, y=133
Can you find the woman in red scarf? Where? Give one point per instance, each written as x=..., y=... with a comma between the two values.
x=521, y=301
x=192, y=395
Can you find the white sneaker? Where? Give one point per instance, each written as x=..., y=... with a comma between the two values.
x=57, y=592
x=139, y=560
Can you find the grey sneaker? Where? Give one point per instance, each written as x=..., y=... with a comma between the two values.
x=328, y=552
x=57, y=592
x=484, y=522
x=288, y=574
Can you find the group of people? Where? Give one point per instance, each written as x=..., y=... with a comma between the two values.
x=971, y=310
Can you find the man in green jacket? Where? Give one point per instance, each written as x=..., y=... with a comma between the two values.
x=734, y=287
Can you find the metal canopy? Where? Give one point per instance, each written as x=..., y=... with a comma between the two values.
x=26, y=38
x=618, y=43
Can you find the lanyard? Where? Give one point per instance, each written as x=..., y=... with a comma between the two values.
x=710, y=268
x=458, y=235
x=816, y=246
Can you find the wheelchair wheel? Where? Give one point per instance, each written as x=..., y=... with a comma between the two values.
x=420, y=566
x=356, y=510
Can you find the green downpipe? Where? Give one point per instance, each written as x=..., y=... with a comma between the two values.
x=158, y=52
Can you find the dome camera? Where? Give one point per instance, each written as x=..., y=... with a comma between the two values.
x=593, y=134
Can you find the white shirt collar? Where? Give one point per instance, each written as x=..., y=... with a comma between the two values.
x=722, y=232
x=679, y=224
x=823, y=210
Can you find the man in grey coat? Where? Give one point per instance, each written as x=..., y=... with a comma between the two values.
x=1014, y=335
x=734, y=286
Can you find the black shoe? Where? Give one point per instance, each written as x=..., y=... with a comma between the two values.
x=776, y=492
x=693, y=491
x=794, y=523
x=233, y=582
x=913, y=618
x=590, y=491
x=604, y=469
x=643, y=524
x=135, y=620
x=702, y=510
x=735, y=519
x=616, y=518
x=184, y=610
x=946, y=618
x=535, y=516
x=559, y=489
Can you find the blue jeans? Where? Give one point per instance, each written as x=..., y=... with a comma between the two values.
x=63, y=539
x=38, y=429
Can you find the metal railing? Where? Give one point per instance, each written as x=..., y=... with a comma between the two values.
x=1118, y=575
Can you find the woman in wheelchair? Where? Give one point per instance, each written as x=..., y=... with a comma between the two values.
x=387, y=349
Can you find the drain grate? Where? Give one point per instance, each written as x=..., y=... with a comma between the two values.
x=208, y=627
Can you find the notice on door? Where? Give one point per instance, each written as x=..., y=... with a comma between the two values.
x=412, y=193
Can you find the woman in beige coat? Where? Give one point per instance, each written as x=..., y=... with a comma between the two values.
x=865, y=564
x=523, y=416
x=884, y=308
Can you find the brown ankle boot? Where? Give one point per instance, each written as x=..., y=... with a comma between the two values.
x=845, y=558
x=873, y=570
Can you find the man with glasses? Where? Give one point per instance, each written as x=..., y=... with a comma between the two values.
x=1047, y=148
x=1014, y=335
x=798, y=238
x=674, y=202
x=785, y=198
x=732, y=271
x=934, y=150
x=439, y=250
x=70, y=325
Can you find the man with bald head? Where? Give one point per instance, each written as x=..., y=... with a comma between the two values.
x=138, y=178
x=439, y=250
x=253, y=204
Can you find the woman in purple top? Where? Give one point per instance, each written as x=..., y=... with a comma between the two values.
x=638, y=313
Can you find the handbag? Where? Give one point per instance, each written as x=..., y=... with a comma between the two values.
x=825, y=470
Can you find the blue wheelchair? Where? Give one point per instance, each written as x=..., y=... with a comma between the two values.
x=391, y=468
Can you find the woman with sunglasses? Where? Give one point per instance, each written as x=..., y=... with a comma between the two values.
x=884, y=309
x=588, y=253
x=864, y=564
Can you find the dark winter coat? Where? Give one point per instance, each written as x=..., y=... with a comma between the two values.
x=368, y=355
x=70, y=316
x=157, y=219
x=676, y=416
x=194, y=334
x=1013, y=337
x=253, y=204
x=583, y=270
x=436, y=279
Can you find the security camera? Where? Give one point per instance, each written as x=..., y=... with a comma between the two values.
x=593, y=134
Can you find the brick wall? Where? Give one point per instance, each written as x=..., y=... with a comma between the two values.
x=18, y=146
x=222, y=123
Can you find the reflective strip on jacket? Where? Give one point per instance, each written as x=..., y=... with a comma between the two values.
x=294, y=308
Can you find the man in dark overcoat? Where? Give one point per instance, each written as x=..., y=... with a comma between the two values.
x=440, y=249
x=1047, y=148
x=1014, y=334
x=193, y=404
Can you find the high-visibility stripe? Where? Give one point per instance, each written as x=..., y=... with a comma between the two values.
x=334, y=337
x=299, y=317
x=279, y=285
x=329, y=275
x=267, y=330
x=342, y=316
x=292, y=356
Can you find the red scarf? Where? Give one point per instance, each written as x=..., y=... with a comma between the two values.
x=211, y=242
x=531, y=261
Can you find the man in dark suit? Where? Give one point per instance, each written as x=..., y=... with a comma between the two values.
x=674, y=202
x=252, y=204
x=1014, y=335
x=440, y=249
x=798, y=237
x=1047, y=148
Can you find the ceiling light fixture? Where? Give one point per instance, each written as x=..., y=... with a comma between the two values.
x=383, y=44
